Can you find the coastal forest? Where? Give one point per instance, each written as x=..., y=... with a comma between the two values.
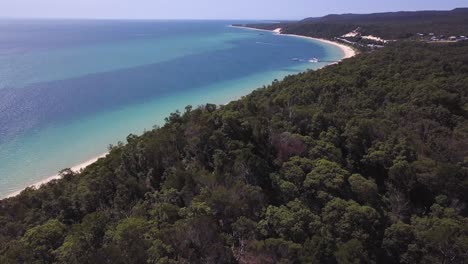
x=365, y=161
x=390, y=26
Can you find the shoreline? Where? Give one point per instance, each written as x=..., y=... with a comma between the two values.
x=347, y=50
x=76, y=168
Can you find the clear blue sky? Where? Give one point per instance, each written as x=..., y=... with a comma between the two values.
x=210, y=9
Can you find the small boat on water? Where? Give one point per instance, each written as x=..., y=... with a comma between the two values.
x=314, y=60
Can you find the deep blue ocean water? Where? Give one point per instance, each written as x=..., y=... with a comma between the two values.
x=69, y=88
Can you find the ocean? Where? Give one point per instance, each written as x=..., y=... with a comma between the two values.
x=69, y=88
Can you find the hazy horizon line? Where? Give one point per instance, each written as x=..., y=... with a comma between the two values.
x=213, y=19
x=147, y=19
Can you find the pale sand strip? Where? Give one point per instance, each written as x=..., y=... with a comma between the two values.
x=76, y=168
x=347, y=51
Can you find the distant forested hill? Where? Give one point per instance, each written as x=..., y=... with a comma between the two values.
x=360, y=162
x=390, y=26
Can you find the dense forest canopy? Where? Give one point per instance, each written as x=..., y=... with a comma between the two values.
x=360, y=162
x=390, y=26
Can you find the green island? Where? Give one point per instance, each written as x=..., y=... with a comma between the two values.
x=365, y=161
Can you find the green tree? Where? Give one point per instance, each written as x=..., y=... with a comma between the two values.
x=84, y=240
x=326, y=178
x=351, y=252
x=439, y=240
x=397, y=239
x=44, y=239
x=292, y=221
x=129, y=243
x=346, y=220
x=364, y=189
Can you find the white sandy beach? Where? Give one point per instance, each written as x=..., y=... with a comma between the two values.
x=348, y=51
x=76, y=168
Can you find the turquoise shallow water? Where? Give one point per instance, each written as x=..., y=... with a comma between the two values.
x=64, y=100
